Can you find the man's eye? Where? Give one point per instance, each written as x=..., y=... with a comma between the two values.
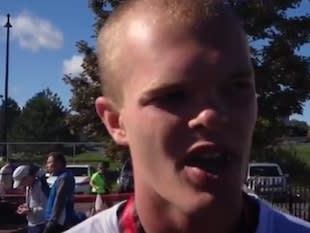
x=172, y=98
x=241, y=85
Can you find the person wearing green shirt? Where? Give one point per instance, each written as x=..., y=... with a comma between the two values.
x=97, y=180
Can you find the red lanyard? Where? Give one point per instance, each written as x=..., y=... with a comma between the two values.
x=129, y=220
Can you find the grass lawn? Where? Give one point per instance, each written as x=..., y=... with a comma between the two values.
x=92, y=158
x=303, y=152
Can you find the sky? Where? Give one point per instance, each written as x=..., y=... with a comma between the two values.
x=42, y=46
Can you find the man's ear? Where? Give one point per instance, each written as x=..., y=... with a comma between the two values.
x=110, y=116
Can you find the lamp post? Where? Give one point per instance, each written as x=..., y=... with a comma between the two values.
x=6, y=86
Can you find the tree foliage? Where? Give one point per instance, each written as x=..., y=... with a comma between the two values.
x=297, y=128
x=283, y=76
x=42, y=119
x=13, y=113
x=83, y=119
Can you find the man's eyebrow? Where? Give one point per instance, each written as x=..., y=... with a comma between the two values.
x=162, y=88
x=166, y=87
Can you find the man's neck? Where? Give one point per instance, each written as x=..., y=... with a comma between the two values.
x=60, y=171
x=158, y=216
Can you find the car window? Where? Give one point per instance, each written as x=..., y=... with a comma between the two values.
x=79, y=171
x=264, y=171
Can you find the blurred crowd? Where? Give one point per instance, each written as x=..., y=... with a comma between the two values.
x=50, y=207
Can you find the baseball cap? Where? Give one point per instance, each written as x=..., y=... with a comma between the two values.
x=19, y=173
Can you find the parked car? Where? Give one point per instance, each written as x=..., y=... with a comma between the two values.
x=267, y=179
x=82, y=174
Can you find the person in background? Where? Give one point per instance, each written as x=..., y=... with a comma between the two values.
x=30, y=176
x=59, y=213
x=97, y=180
x=6, y=180
x=184, y=102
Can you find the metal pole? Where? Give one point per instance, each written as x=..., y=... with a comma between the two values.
x=74, y=152
x=5, y=118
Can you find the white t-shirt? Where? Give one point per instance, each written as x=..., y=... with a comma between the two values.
x=37, y=201
x=103, y=222
x=270, y=221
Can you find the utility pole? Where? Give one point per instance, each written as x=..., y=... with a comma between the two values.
x=6, y=87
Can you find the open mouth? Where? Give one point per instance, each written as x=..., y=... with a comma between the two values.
x=213, y=162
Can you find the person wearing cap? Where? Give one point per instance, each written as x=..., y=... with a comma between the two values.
x=29, y=176
x=6, y=175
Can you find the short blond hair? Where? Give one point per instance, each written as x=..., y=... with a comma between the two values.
x=112, y=57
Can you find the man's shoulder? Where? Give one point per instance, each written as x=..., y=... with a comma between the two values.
x=275, y=221
x=66, y=175
x=95, y=175
x=103, y=222
x=5, y=168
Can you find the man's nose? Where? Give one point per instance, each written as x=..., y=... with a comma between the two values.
x=209, y=118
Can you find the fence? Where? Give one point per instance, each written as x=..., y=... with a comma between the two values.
x=270, y=185
x=292, y=199
x=35, y=151
x=297, y=202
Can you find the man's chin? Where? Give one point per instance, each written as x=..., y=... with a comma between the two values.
x=196, y=202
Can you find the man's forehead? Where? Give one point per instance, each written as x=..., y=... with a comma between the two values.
x=164, y=43
x=50, y=159
x=157, y=39
x=139, y=28
x=152, y=25
x=148, y=27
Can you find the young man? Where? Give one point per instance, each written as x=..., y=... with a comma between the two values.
x=97, y=180
x=60, y=206
x=30, y=176
x=184, y=103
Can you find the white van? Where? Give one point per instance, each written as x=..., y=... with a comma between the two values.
x=82, y=174
x=267, y=179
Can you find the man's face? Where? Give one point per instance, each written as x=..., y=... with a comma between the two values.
x=52, y=165
x=189, y=112
x=100, y=168
x=27, y=181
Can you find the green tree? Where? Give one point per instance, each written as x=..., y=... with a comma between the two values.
x=13, y=114
x=83, y=119
x=42, y=119
x=297, y=128
x=283, y=76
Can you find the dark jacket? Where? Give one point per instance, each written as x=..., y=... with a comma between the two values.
x=60, y=205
